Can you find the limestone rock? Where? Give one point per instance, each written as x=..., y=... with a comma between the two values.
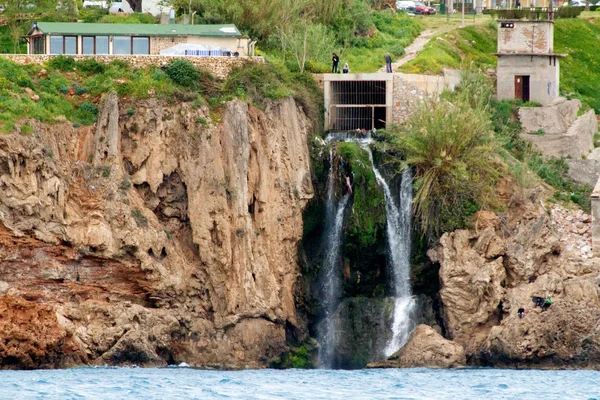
x=544, y=251
x=153, y=239
x=471, y=285
x=428, y=349
x=554, y=119
x=564, y=134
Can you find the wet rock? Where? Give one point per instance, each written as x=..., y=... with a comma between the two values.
x=428, y=349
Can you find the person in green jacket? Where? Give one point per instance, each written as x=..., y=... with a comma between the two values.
x=547, y=303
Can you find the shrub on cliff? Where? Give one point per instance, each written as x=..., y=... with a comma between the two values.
x=258, y=83
x=451, y=147
x=182, y=72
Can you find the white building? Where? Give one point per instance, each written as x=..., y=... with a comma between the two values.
x=154, y=7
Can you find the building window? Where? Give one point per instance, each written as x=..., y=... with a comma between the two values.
x=140, y=45
x=70, y=45
x=121, y=45
x=88, y=45
x=39, y=45
x=63, y=44
x=101, y=44
x=56, y=45
x=95, y=45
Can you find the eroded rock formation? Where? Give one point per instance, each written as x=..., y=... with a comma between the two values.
x=535, y=249
x=428, y=349
x=159, y=236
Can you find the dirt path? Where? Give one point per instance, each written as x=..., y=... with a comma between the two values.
x=413, y=49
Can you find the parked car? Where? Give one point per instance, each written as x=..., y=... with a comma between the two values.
x=405, y=5
x=423, y=9
x=415, y=7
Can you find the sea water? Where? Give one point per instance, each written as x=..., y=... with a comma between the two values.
x=188, y=383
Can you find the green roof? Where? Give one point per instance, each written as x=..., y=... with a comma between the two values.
x=80, y=28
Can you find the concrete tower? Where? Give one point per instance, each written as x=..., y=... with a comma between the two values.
x=528, y=68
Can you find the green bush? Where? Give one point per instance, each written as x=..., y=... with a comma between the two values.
x=452, y=151
x=87, y=113
x=182, y=72
x=397, y=50
x=91, y=66
x=62, y=63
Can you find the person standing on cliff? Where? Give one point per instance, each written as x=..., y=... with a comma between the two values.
x=388, y=63
x=346, y=69
x=335, y=61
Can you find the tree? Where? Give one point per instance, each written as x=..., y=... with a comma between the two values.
x=136, y=5
x=307, y=41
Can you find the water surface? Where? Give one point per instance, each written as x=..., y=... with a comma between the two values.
x=187, y=383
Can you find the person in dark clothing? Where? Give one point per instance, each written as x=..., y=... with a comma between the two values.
x=518, y=4
x=335, y=61
x=537, y=301
x=346, y=69
x=388, y=63
x=547, y=303
x=521, y=312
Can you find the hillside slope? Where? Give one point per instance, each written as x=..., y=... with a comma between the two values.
x=579, y=38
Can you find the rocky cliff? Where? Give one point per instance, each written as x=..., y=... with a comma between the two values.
x=166, y=233
x=535, y=248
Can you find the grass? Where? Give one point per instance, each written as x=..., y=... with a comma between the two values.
x=456, y=49
x=71, y=89
x=394, y=33
x=577, y=37
x=580, y=71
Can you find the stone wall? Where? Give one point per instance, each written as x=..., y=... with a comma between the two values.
x=218, y=66
x=158, y=43
x=596, y=220
x=407, y=97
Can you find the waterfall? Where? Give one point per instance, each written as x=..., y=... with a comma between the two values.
x=330, y=281
x=399, y=244
x=398, y=229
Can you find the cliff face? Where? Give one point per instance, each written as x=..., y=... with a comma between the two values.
x=158, y=236
x=535, y=249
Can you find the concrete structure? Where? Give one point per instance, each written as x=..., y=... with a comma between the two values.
x=130, y=39
x=528, y=68
x=596, y=220
x=357, y=101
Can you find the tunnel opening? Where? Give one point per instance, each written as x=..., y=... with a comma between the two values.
x=357, y=104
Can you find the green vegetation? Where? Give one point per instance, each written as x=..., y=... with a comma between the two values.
x=456, y=49
x=300, y=357
x=182, y=72
x=140, y=219
x=258, y=83
x=395, y=32
x=580, y=70
x=451, y=147
x=302, y=34
x=69, y=89
x=523, y=161
x=367, y=223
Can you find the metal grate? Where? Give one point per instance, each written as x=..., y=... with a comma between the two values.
x=358, y=92
x=349, y=118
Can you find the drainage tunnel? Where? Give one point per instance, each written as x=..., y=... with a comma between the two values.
x=357, y=101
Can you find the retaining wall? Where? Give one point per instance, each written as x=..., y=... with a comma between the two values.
x=596, y=220
x=218, y=66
